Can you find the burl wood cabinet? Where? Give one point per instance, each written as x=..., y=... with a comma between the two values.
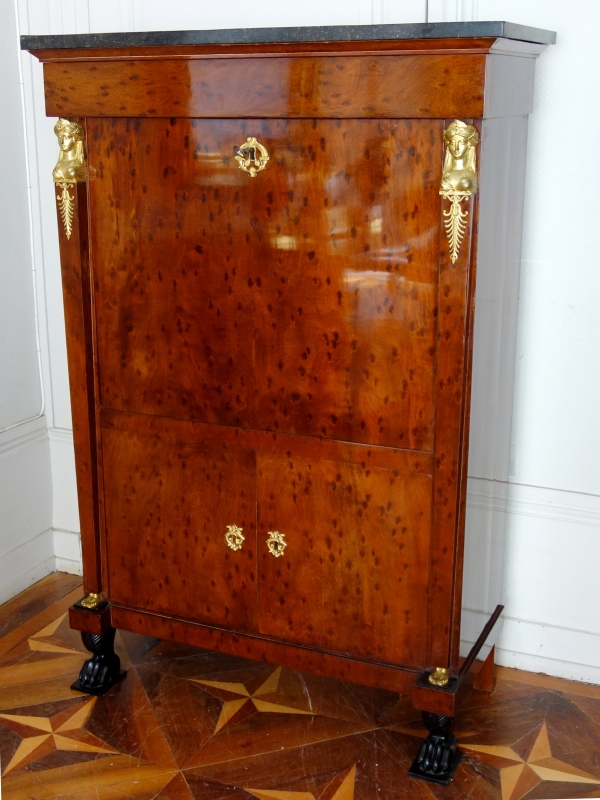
x=270, y=242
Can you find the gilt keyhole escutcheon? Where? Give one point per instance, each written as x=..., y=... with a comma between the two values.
x=276, y=543
x=234, y=537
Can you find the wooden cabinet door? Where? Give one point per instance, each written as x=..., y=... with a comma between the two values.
x=353, y=577
x=167, y=504
x=303, y=300
x=346, y=240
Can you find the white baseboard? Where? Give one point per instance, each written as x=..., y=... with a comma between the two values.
x=30, y=561
x=551, y=561
x=25, y=564
x=26, y=539
x=65, y=512
x=67, y=550
x=538, y=647
x=534, y=501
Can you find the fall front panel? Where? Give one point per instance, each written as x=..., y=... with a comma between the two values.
x=302, y=300
x=168, y=505
x=343, y=556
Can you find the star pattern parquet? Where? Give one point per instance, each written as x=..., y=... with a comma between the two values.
x=189, y=724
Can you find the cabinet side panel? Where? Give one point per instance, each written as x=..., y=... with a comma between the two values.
x=508, y=86
x=502, y=181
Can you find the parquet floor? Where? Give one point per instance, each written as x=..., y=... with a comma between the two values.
x=192, y=724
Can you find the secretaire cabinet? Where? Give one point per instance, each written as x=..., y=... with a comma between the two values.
x=270, y=242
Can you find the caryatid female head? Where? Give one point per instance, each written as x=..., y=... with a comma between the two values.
x=70, y=167
x=460, y=174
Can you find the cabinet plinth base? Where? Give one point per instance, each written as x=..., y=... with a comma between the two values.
x=103, y=670
x=439, y=755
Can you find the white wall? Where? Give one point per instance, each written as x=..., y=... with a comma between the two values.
x=552, y=553
x=26, y=538
x=552, y=501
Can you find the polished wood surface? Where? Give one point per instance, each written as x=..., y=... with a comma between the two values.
x=168, y=504
x=189, y=724
x=485, y=679
x=290, y=352
x=411, y=86
x=97, y=621
x=213, y=331
x=455, y=309
x=308, y=310
x=358, y=540
x=75, y=267
x=367, y=456
x=366, y=671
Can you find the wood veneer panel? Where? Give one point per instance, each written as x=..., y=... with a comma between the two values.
x=240, y=301
x=74, y=259
x=347, y=315
x=167, y=505
x=354, y=574
x=398, y=679
x=451, y=424
x=304, y=446
x=411, y=86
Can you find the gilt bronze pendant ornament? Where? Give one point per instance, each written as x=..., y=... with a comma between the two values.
x=459, y=180
x=69, y=169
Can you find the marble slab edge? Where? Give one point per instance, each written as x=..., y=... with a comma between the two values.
x=329, y=33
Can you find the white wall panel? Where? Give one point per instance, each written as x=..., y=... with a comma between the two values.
x=115, y=15
x=152, y=14
x=65, y=513
x=556, y=432
x=453, y=11
x=399, y=11
x=20, y=384
x=26, y=549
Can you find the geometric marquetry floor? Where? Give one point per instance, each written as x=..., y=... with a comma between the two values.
x=188, y=723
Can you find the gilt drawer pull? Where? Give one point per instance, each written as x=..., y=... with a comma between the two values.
x=252, y=156
x=234, y=537
x=276, y=543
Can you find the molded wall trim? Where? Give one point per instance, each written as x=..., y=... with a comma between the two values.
x=22, y=435
x=539, y=647
x=25, y=564
x=545, y=583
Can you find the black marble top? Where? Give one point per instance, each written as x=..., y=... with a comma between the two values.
x=329, y=33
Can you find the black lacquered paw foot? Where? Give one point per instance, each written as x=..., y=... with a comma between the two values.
x=438, y=755
x=103, y=670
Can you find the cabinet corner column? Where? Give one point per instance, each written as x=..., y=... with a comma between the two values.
x=70, y=184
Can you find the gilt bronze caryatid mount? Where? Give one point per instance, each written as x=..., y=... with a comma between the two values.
x=70, y=168
x=459, y=180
